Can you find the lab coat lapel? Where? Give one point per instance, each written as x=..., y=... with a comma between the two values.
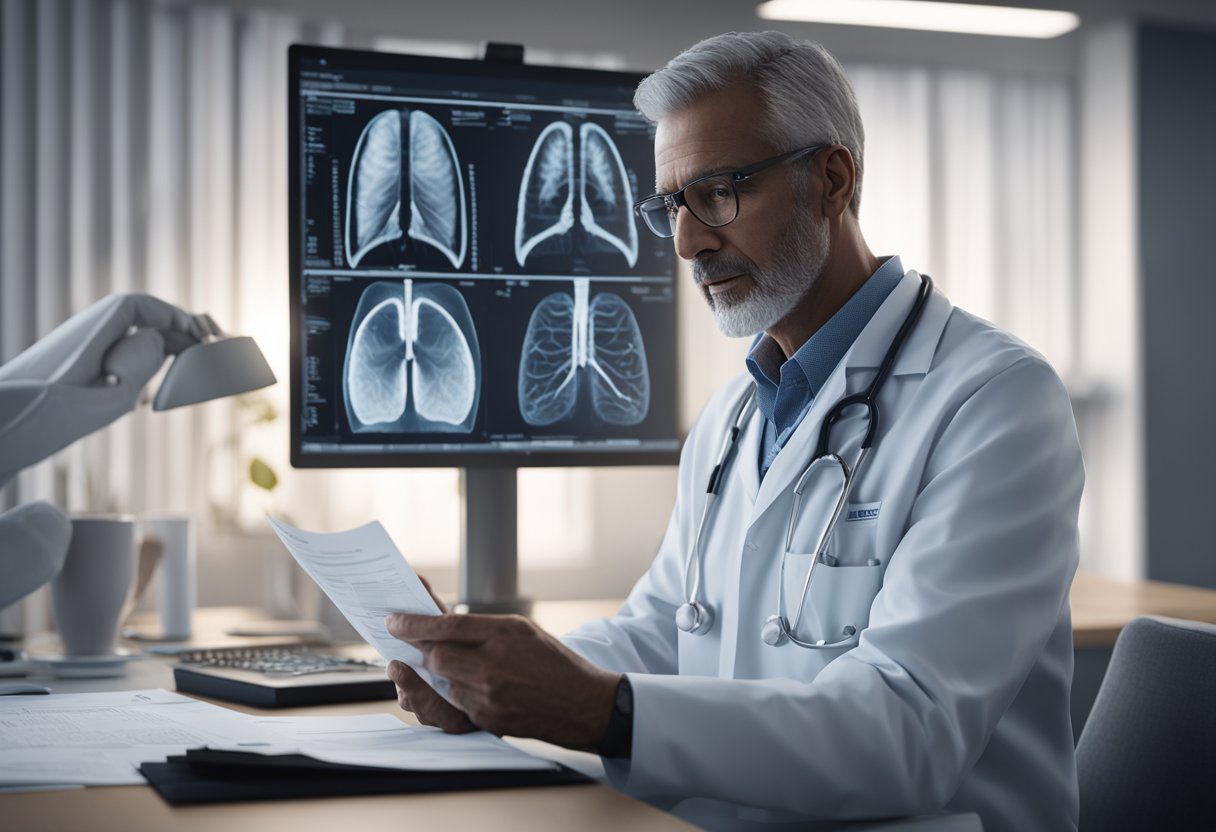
x=866, y=355
x=747, y=455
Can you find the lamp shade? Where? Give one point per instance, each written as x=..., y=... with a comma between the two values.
x=213, y=370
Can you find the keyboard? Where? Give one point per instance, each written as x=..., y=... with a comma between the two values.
x=280, y=676
x=276, y=661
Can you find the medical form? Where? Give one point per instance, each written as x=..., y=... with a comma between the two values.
x=366, y=577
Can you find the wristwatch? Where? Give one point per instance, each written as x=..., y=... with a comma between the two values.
x=618, y=740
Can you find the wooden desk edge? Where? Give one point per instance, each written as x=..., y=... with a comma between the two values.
x=1102, y=607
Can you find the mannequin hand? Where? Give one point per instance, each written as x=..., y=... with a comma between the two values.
x=508, y=676
x=75, y=352
x=86, y=373
x=33, y=542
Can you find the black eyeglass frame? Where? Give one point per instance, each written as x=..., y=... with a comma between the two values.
x=676, y=199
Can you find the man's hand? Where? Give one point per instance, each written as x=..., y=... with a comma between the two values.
x=419, y=698
x=507, y=675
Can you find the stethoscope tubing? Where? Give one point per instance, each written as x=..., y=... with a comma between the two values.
x=743, y=413
x=850, y=476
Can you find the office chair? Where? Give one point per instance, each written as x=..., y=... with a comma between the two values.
x=1147, y=756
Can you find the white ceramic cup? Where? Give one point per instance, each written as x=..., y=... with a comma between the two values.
x=177, y=583
x=98, y=575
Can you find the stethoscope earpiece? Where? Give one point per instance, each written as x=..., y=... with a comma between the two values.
x=773, y=631
x=694, y=617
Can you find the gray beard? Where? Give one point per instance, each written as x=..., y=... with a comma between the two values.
x=798, y=263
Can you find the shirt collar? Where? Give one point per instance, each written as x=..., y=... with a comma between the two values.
x=815, y=359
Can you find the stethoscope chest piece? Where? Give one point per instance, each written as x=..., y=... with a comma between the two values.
x=773, y=631
x=694, y=617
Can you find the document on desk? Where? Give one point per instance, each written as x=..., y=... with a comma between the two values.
x=367, y=578
x=99, y=739
x=383, y=741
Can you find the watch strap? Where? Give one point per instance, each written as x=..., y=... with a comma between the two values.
x=618, y=739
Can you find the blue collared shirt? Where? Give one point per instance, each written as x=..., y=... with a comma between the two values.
x=786, y=388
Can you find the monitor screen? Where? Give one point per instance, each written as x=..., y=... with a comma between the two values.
x=469, y=282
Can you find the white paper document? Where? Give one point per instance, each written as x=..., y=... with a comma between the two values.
x=383, y=741
x=98, y=739
x=367, y=578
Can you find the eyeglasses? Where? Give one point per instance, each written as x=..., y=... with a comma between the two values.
x=712, y=199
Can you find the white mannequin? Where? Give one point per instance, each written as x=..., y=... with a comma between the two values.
x=81, y=377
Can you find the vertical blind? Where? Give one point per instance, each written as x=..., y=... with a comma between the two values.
x=142, y=149
x=970, y=177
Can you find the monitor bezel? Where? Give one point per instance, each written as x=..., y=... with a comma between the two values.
x=363, y=59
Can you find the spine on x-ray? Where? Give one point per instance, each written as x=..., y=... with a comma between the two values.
x=409, y=321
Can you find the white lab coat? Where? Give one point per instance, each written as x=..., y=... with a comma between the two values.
x=956, y=696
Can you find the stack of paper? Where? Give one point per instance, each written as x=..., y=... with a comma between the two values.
x=97, y=739
x=383, y=741
x=101, y=738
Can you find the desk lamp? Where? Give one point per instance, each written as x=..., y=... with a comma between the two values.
x=213, y=369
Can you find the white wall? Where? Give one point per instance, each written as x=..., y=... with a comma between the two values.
x=1109, y=337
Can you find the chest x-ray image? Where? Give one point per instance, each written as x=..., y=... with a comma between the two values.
x=468, y=274
x=576, y=340
x=413, y=364
x=548, y=193
x=405, y=161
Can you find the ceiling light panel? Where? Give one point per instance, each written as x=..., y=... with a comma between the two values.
x=967, y=18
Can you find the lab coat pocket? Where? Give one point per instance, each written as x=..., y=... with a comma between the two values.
x=852, y=540
x=838, y=601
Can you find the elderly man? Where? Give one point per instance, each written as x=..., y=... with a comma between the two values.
x=884, y=632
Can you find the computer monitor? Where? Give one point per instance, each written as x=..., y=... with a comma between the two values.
x=470, y=286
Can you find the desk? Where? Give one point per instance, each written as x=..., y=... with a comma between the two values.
x=592, y=807
x=1100, y=607
x=137, y=808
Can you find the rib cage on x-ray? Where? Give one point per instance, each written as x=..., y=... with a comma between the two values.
x=607, y=200
x=546, y=193
x=413, y=363
x=373, y=195
x=568, y=334
x=404, y=156
x=546, y=196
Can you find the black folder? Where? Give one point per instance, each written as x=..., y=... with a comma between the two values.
x=209, y=776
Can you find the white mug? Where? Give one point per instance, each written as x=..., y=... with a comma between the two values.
x=91, y=590
x=177, y=583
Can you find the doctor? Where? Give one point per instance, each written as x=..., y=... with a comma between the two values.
x=882, y=632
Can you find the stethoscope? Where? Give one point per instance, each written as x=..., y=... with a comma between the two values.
x=695, y=617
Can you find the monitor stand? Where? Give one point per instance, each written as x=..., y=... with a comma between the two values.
x=489, y=564
x=489, y=574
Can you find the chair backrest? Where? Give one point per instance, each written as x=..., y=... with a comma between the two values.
x=1147, y=756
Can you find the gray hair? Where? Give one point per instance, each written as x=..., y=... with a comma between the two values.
x=801, y=85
